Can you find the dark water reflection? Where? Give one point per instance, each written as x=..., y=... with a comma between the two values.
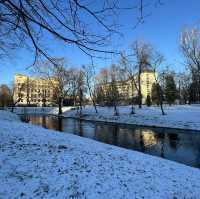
x=178, y=145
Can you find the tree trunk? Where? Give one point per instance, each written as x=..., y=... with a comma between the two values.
x=93, y=100
x=80, y=101
x=161, y=102
x=115, y=107
x=27, y=92
x=132, y=100
x=91, y=95
x=95, y=107
x=115, y=110
x=139, y=90
x=161, y=106
x=14, y=104
x=12, y=109
x=60, y=105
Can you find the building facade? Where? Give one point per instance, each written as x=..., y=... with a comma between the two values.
x=124, y=88
x=33, y=91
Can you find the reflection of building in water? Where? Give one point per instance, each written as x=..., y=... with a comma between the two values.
x=148, y=137
x=45, y=121
x=104, y=134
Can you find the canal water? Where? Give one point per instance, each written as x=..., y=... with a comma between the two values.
x=182, y=146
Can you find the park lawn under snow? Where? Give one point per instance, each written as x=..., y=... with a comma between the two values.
x=39, y=163
x=179, y=116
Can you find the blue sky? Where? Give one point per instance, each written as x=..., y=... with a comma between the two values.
x=162, y=29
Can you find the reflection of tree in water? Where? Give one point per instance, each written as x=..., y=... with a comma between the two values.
x=80, y=125
x=126, y=138
x=173, y=140
x=195, y=139
x=25, y=118
x=44, y=122
x=107, y=133
x=115, y=134
x=142, y=147
x=160, y=136
x=198, y=158
x=60, y=123
x=101, y=133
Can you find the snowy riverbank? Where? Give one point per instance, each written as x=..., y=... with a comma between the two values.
x=40, y=110
x=39, y=163
x=181, y=117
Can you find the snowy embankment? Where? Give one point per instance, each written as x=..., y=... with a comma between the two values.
x=39, y=163
x=179, y=116
x=182, y=116
x=39, y=110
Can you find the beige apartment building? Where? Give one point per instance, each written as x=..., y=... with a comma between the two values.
x=33, y=91
x=125, y=87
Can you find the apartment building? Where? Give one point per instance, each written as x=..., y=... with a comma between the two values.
x=125, y=87
x=33, y=91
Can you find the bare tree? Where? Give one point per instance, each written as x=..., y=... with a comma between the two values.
x=73, y=85
x=160, y=94
x=22, y=90
x=27, y=23
x=129, y=70
x=145, y=58
x=107, y=87
x=80, y=90
x=17, y=94
x=90, y=82
x=28, y=85
x=183, y=81
x=59, y=77
x=101, y=86
x=190, y=48
x=113, y=90
x=157, y=60
x=142, y=52
x=44, y=97
x=134, y=64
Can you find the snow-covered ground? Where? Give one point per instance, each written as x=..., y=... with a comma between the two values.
x=182, y=116
x=7, y=116
x=39, y=163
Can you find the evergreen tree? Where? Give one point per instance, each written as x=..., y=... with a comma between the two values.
x=155, y=93
x=170, y=89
